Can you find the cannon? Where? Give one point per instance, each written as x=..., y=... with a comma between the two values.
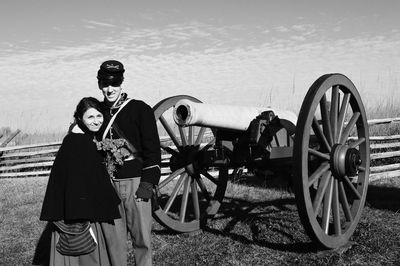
x=326, y=147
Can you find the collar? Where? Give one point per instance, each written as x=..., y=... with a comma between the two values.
x=122, y=98
x=74, y=128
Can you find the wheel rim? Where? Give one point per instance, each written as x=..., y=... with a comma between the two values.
x=178, y=208
x=331, y=161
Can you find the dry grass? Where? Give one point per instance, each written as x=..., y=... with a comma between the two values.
x=255, y=226
x=389, y=108
x=258, y=226
x=31, y=138
x=20, y=228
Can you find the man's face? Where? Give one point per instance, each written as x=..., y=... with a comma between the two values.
x=111, y=94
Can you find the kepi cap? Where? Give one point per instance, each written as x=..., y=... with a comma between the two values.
x=111, y=69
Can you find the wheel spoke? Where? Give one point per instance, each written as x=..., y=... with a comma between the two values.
x=183, y=136
x=335, y=209
x=203, y=189
x=208, y=145
x=351, y=186
x=168, y=149
x=210, y=177
x=318, y=173
x=319, y=154
x=325, y=120
x=349, y=127
x=344, y=203
x=191, y=136
x=184, y=202
x=321, y=191
x=342, y=113
x=169, y=131
x=171, y=177
x=320, y=135
x=327, y=207
x=200, y=135
x=195, y=198
x=276, y=141
x=334, y=112
x=288, y=137
x=175, y=192
x=357, y=143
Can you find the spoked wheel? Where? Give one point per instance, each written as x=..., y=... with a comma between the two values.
x=191, y=192
x=331, y=160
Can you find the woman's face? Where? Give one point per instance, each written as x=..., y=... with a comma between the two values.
x=92, y=119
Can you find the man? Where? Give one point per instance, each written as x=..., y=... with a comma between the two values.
x=134, y=121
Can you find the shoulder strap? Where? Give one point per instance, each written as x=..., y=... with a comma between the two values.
x=113, y=118
x=132, y=148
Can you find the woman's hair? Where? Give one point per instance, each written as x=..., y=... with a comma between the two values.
x=83, y=105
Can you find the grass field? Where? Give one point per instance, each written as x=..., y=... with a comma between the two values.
x=255, y=226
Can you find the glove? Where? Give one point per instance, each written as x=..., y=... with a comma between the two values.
x=144, y=191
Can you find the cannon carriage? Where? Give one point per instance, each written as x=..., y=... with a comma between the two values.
x=326, y=147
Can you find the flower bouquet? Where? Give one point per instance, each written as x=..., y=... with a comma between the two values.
x=116, y=151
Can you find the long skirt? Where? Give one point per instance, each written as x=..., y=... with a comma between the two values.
x=107, y=252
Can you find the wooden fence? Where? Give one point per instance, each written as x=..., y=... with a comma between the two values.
x=37, y=159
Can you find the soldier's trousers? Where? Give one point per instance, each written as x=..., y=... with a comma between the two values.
x=136, y=219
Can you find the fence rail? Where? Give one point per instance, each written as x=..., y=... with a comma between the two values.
x=385, y=157
x=37, y=159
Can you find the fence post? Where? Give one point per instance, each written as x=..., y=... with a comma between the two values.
x=10, y=138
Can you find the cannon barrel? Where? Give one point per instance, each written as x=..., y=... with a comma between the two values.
x=187, y=113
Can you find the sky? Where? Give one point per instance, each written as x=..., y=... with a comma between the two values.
x=251, y=53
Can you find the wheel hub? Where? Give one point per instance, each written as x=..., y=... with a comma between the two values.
x=187, y=158
x=345, y=161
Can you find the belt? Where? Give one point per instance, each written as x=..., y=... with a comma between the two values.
x=133, y=156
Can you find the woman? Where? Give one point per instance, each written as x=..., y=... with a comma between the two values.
x=80, y=200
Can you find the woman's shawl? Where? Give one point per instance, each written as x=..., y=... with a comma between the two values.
x=79, y=187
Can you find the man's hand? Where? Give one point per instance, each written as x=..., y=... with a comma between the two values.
x=144, y=191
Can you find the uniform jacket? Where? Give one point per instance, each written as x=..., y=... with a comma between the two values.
x=136, y=121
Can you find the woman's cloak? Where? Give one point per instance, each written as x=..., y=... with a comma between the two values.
x=79, y=187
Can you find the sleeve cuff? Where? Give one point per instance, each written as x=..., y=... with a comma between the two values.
x=151, y=174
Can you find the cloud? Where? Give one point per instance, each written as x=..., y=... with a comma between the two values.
x=91, y=27
x=281, y=29
x=228, y=64
x=58, y=29
x=306, y=29
x=100, y=24
x=337, y=29
x=298, y=38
